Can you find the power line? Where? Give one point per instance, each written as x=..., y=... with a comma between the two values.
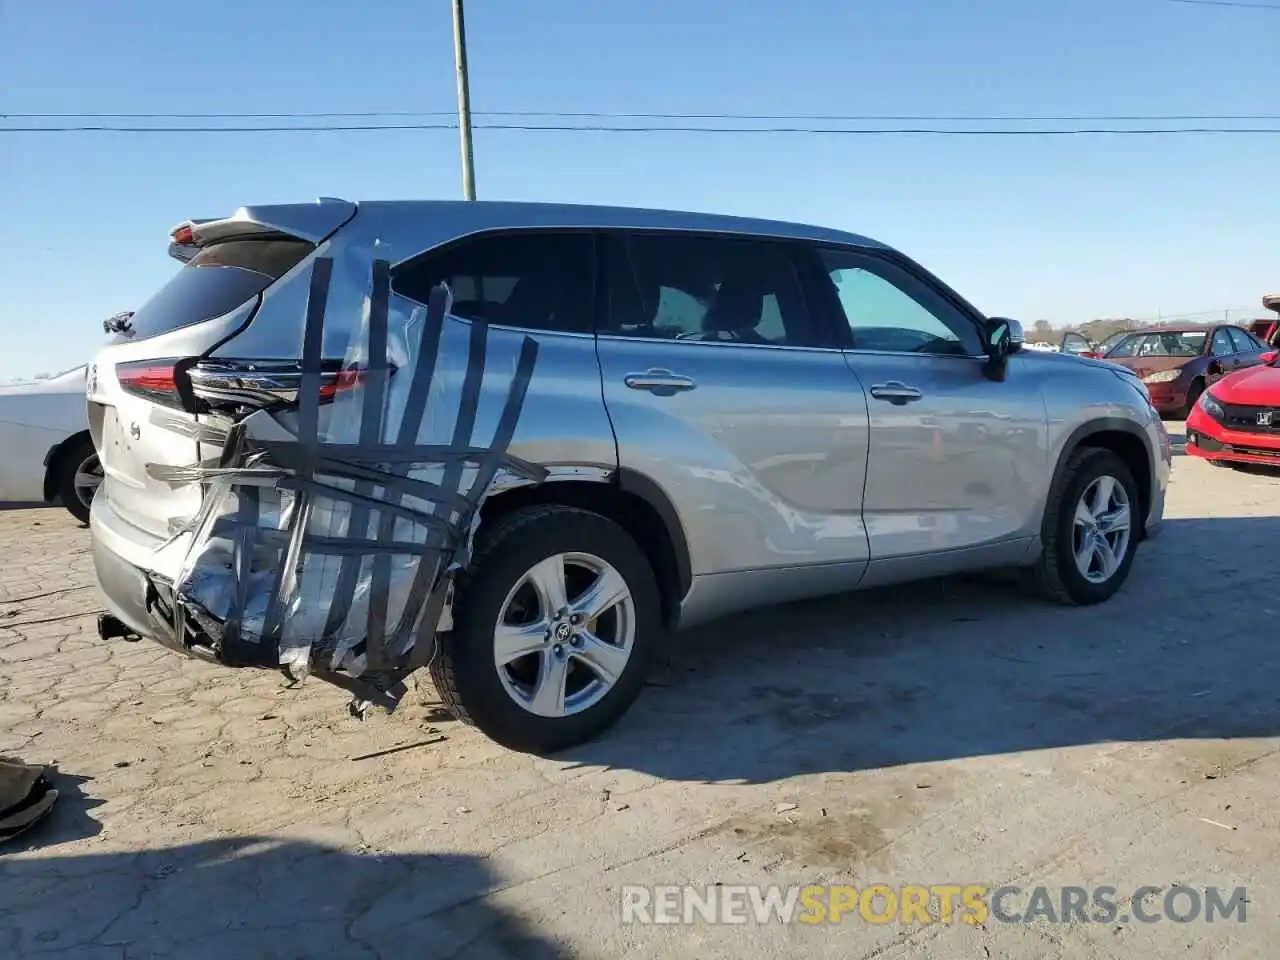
x=601, y=115
x=593, y=128
x=1227, y=3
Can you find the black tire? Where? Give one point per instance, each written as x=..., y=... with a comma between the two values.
x=1055, y=576
x=70, y=459
x=1193, y=394
x=463, y=669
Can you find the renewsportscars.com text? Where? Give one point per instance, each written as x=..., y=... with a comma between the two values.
x=926, y=904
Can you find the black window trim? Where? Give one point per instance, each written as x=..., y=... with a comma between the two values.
x=1244, y=336
x=448, y=246
x=836, y=320
x=820, y=326
x=1208, y=350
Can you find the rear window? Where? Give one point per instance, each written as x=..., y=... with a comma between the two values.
x=215, y=281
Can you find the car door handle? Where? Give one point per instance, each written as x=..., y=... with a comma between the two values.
x=895, y=392
x=660, y=382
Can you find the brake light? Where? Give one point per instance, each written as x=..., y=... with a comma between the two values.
x=342, y=380
x=266, y=384
x=183, y=235
x=154, y=380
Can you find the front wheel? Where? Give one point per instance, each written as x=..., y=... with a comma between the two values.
x=555, y=624
x=1193, y=396
x=1090, y=530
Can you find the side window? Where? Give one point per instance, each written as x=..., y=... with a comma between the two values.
x=1222, y=345
x=535, y=279
x=706, y=289
x=889, y=309
x=1241, y=341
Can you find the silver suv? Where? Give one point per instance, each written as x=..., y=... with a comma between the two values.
x=729, y=412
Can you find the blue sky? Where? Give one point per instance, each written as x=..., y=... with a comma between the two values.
x=1056, y=228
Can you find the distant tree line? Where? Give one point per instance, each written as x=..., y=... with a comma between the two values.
x=1042, y=331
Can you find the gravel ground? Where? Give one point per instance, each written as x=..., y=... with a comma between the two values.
x=950, y=733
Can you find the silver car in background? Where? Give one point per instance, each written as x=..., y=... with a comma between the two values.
x=731, y=412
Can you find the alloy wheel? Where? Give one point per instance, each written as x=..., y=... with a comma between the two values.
x=88, y=478
x=1102, y=528
x=564, y=634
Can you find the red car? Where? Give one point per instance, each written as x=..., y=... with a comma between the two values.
x=1178, y=363
x=1237, y=420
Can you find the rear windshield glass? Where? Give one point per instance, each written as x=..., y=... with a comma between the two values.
x=215, y=281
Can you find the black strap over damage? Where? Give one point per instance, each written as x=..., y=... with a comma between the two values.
x=388, y=523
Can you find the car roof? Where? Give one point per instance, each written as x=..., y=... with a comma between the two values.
x=467, y=216
x=1183, y=328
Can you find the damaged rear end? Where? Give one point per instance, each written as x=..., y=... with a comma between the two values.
x=291, y=477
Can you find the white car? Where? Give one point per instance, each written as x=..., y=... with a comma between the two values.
x=1041, y=345
x=44, y=434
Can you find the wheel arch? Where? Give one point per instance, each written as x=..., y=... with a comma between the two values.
x=53, y=462
x=636, y=504
x=1125, y=439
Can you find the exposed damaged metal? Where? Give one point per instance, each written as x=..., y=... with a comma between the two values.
x=328, y=537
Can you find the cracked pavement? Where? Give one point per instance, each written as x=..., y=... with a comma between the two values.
x=951, y=732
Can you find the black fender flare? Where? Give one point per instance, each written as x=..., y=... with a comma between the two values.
x=1091, y=428
x=637, y=484
x=51, y=459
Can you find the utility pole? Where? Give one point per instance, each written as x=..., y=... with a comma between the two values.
x=464, y=102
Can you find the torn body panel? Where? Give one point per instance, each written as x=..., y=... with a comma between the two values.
x=329, y=533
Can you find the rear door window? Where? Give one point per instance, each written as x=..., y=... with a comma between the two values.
x=535, y=279
x=1242, y=341
x=1222, y=345
x=673, y=286
x=217, y=280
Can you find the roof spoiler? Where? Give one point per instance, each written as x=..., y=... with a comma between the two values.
x=314, y=222
x=1272, y=302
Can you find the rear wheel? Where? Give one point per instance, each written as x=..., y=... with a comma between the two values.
x=1090, y=531
x=555, y=624
x=79, y=475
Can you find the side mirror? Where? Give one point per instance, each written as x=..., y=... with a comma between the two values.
x=1270, y=356
x=1004, y=338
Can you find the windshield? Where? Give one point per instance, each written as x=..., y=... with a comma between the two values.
x=1111, y=341
x=1163, y=344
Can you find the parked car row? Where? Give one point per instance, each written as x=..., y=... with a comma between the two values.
x=1236, y=420
x=1176, y=363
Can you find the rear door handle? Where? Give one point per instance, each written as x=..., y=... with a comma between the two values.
x=659, y=381
x=895, y=392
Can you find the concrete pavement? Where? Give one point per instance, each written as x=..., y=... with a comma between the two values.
x=950, y=733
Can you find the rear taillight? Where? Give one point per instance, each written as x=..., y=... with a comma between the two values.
x=264, y=384
x=154, y=380
x=332, y=384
